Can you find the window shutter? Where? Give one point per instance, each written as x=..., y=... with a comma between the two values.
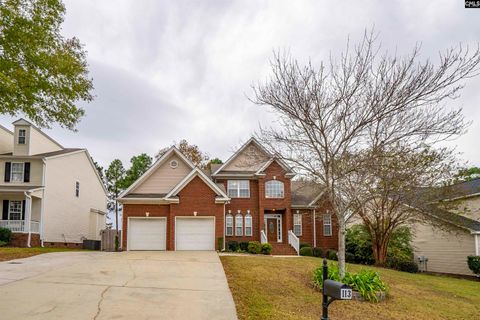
x=8, y=167
x=26, y=172
x=23, y=209
x=5, y=210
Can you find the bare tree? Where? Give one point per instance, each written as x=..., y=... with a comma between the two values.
x=394, y=190
x=363, y=100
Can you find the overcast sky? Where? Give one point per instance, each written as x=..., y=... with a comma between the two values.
x=168, y=70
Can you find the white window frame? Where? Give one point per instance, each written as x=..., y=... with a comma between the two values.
x=272, y=191
x=229, y=224
x=77, y=189
x=235, y=192
x=327, y=223
x=248, y=225
x=20, y=208
x=297, y=222
x=22, y=164
x=238, y=225
x=24, y=136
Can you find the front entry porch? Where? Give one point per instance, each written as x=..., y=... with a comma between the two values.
x=277, y=232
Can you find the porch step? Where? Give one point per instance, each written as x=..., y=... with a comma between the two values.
x=283, y=249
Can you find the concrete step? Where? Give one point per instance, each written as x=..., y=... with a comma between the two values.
x=282, y=249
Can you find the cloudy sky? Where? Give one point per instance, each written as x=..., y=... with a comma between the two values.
x=168, y=70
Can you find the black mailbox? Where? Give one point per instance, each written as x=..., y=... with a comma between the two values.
x=337, y=290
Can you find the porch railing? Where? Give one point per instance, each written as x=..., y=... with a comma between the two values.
x=263, y=237
x=294, y=241
x=19, y=225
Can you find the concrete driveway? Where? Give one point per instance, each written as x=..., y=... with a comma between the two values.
x=127, y=285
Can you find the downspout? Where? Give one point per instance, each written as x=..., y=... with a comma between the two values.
x=28, y=216
x=477, y=245
x=314, y=229
x=44, y=175
x=224, y=222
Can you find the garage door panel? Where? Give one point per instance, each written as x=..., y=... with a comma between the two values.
x=195, y=234
x=147, y=234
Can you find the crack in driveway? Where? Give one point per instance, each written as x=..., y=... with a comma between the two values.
x=99, y=305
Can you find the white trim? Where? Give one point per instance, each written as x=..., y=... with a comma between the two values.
x=301, y=224
x=11, y=172
x=152, y=169
x=314, y=229
x=148, y=200
x=239, y=216
x=327, y=224
x=229, y=215
x=279, y=224
x=23, y=122
x=249, y=216
x=273, y=181
x=281, y=162
x=195, y=217
x=476, y=238
x=21, y=209
x=238, y=188
x=197, y=172
x=312, y=204
x=145, y=218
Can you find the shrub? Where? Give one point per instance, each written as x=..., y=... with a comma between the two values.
x=232, y=245
x=366, y=282
x=331, y=254
x=350, y=257
x=303, y=245
x=254, y=247
x=402, y=264
x=267, y=248
x=306, y=251
x=5, y=235
x=2, y=243
x=474, y=264
x=317, y=252
x=220, y=244
x=243, y=246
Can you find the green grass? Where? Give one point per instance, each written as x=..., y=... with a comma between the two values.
x=280, y=288
x=10, y=253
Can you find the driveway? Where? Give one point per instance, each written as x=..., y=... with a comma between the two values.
x=127, y=285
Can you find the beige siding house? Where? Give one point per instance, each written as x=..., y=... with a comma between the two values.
x=50, y=195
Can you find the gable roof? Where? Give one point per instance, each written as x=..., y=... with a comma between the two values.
x=265, y=165
x=158, y=163
x=305, y=193
x=197, y=172
x=460, y=190
x=22, y=121
x=451, y=217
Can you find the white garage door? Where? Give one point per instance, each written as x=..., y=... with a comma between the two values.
x=146, y=234
x=195, y=233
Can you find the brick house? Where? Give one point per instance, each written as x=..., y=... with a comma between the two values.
x=251, y=197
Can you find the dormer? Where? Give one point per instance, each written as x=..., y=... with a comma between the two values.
x=29, y=140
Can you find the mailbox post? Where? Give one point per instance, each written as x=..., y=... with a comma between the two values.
x=332, y=290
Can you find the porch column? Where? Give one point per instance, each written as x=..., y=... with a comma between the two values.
x=28, y=217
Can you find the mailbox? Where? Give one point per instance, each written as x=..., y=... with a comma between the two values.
x=337, y=290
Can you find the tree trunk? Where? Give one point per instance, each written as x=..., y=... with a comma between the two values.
x=380, y=252
x=341, y=245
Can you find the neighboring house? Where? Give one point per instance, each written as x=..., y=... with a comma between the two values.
x=50, y=195
x=177, y=206
x=447, y=247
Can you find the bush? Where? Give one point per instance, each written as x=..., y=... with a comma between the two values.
x=254, y=247
x=267, y=248
x=303, y=245
x=401, y=264
x=350, y=257
x=220, y=244
x=2, y=243
x=474, y=264
x=317, y=252
x=5, y=235
x=232, y=245
x=306, y=251
x=243, y=246
x=331, y=254
x=365, y=282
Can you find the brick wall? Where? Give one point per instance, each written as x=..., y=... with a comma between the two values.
x=21, y=239
x=139, y=210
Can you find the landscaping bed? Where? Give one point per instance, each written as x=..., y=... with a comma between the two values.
x=281, y=288
x=11, y=253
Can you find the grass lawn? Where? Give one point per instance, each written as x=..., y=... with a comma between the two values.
x=280, y=288
x=8, y=253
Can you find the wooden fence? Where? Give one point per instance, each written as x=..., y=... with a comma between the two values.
x=108, y=239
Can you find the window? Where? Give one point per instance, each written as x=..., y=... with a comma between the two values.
x=15, y=210
x=248, y=224
x=21, y=136
x=229, y=225
x=274, y=189
x=239, y=225
x=77, y=189
x=238, y=188
x=17, y=172
x=327, y=224
x=297, y=224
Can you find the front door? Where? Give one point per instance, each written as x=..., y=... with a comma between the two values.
x=272, y=229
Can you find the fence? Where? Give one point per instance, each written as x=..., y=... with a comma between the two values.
x=108, y=239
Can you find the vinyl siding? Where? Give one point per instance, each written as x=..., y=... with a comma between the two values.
x=469, y=208
x=41, y=144
x=446, y=251
x=250, y=159
x=6, y=141
x=66, y=217
x=164, y=178
x=21, y=149
x=36, y=172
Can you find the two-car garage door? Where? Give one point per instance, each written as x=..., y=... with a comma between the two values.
x=191, y=233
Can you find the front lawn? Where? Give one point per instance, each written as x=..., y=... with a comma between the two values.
x=279, y=288
x=8, y=253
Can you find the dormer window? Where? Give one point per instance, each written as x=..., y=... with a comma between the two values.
x=21, y=136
